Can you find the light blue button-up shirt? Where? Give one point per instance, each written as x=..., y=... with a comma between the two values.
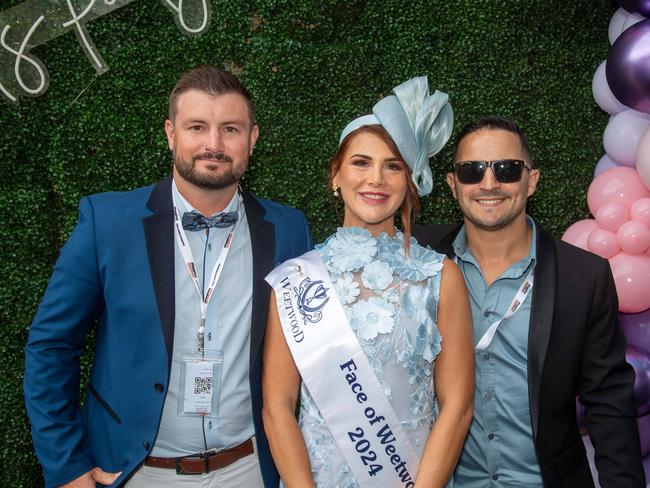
x=228, y=325
x=499, y=450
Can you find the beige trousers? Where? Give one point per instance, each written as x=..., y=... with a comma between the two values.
x=244, y=473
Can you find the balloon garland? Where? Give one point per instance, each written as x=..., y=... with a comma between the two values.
x=619, y=196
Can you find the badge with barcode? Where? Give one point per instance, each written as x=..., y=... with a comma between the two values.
x=199, y=384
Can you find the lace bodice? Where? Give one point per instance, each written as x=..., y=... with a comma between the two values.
x=391, y=302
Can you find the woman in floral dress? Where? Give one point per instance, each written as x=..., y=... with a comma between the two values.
x=407, y=305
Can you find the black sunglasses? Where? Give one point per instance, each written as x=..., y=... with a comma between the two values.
x=505, y=170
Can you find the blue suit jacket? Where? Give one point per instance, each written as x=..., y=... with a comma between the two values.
x=118, y=267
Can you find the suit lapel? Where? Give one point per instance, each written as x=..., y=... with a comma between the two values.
x=446, y=244
x=263, y=248
x=159, y=235
x=541, y=319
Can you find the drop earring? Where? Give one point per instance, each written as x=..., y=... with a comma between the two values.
x=335, y=190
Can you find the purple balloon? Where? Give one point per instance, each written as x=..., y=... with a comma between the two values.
x=637, y=6
x=604, y=164
x=636, y=327
x=580, y=417
x=640, y=361
x=628, y=67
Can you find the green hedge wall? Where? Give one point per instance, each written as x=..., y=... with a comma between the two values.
x=311, y=66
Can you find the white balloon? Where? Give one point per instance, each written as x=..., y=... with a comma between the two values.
x=643, y=158
x=603, y=94
x=623, y=134
x=621, y=20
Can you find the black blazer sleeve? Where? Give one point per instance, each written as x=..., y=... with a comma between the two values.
x=606, y=388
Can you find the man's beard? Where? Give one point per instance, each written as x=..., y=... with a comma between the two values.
x=505, y=220
x=209, y=180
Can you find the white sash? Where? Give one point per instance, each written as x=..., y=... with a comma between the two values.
x=339, y=376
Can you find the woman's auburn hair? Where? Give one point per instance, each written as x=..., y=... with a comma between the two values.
x=411, y=204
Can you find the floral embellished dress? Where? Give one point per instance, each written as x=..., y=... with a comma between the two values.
x=391, y=302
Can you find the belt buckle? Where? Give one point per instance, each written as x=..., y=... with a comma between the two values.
x=205, y=455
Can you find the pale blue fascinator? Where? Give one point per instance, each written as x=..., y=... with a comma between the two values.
x=419, y=123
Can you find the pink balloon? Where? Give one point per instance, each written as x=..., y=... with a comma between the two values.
x=603, y=94
x=632, y=277
x=578, y=233
x=643, y=158
x=604, y=243
x=612, y=215
x=621, y=185
x=623, y=134
x=640, y=211
x=604, y=164
x=633, y=237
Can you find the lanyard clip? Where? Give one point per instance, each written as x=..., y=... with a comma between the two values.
x=201, y=335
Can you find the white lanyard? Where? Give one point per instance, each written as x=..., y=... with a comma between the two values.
x=514, y=306
x=186, y=251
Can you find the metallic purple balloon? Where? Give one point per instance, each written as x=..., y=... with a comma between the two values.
x=580, y=417
x=628, y=67
x=637, y=6
x=636, y=327
x=640, y=361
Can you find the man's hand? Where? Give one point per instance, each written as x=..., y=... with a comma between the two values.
x=89, y=479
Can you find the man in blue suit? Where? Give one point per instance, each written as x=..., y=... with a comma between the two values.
x=174, y=273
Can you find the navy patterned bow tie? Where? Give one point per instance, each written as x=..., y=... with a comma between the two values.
x=194, y=221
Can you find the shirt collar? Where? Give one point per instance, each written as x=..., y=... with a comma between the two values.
x=185, y=206
x=464, y=253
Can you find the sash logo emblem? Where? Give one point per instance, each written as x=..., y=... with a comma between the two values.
x=312, y=297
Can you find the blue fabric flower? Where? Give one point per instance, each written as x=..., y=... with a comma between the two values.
x=377, y=275
x=416, y=304
x=421, y=263
x=350, y=249
x=371, y=317
x=427, y=343
x=346, y=288
x=391, y=295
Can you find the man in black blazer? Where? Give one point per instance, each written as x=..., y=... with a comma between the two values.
x=545, y=326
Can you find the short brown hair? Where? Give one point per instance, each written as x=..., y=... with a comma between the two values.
x=212, y=81
x=411, y=204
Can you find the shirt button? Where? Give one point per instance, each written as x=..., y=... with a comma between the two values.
x=491, y=436
x=495, y=476
x=209, y=336
x=158, y=387
x=488, y=397
x=486, y=314
x=486, y=357
x=145, y=444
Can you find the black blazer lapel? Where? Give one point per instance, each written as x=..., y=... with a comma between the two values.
x=159, y=234
x=541, y=319
x=263, y=247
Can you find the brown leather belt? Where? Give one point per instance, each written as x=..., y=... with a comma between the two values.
x=204, y=462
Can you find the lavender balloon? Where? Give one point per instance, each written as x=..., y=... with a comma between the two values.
x=621, y=20
x=636, y=327
x=604, y=164
x=640, y=361
x=637, y=6
x=628, y=67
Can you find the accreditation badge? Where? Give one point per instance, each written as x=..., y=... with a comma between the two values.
x=200, y=383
